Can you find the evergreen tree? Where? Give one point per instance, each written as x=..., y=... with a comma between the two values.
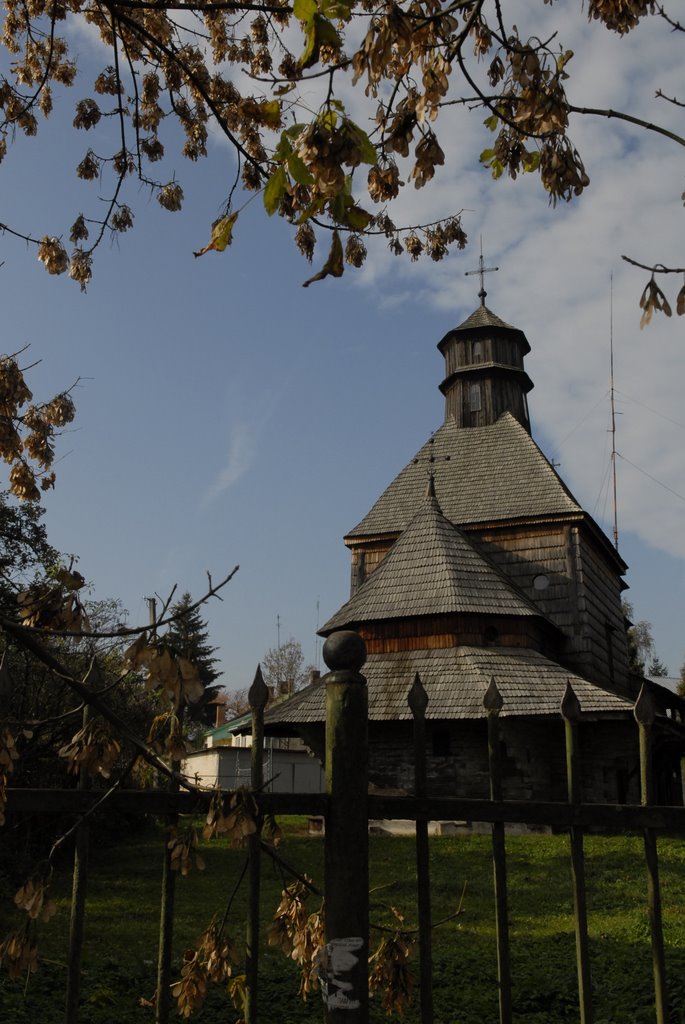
x=188, y=636
x=657, y=669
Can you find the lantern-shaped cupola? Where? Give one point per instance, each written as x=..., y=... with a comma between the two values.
x=484, y=374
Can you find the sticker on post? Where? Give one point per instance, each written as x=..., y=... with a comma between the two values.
x=337, y=958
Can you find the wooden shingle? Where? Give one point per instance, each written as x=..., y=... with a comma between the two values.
x=484, y=474
x=433, y=569
x=455, y=681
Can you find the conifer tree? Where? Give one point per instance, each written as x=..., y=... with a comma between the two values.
x=188, y=636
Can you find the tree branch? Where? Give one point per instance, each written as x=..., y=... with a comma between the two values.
x=658, y=268
x=24, y=638
x=647, y=125
x=127, y=631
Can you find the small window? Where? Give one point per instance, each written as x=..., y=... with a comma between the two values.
x=477, y=352
x=474, y=398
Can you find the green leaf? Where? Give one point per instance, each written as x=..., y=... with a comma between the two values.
x=222, y=231
x=284, y=148
x=338, y=10
x=299, y=170
x=328, y=119
x=326, y=32
x=312, y=210
x=339, y=206
x=368, y=150
x=304, y=9
x=318, y=31
x=271, y=113
x=491, y=122
x=564, y=59
x=488, y=158
x=308, y=55
x=531, y=161
x=222, y=235
x=274, y=189
x=357, y=219
x=294, y=130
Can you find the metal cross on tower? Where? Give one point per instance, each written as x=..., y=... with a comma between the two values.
x=482, y=271
x=430, y=459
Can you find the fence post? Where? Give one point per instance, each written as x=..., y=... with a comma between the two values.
x=79, y=883
x=257, y=698
x=418, y=702
x=166, y=912
x=644, y=716
x=570, y=710
x=345, y=985
x=166, y=919
x=493, y=703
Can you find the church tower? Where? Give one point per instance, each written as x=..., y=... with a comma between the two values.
x=484, y=375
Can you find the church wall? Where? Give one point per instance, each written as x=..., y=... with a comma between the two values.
x=583, y=595
x=461, y=770
x=610, y=758
x=605, y=627
x=527, y=552
x=533, y=759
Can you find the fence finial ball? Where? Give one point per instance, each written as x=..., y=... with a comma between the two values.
x=344, y=650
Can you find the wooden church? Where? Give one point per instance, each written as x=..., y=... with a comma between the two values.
x=475, y=563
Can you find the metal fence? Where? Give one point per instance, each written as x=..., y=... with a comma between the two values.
x=347, y=808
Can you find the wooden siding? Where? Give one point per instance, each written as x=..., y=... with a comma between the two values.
x=460, y=352
x=526, y=552
x=497, y=394
x=366, y=558
x=583, y=596
x=603, y=616
x=445, y=631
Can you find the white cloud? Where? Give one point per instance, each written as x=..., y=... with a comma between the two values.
x=555, y=269
x=241, y=454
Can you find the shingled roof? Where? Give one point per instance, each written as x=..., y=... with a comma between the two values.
x=483, y=317
x=455, y=681
x=431, y=570
x=483, y=474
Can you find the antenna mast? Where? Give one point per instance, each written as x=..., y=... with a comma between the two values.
x=278, y=649
x=317, y=649
x=613, y=411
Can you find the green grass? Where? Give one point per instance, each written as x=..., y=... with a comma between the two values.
x=123, y=909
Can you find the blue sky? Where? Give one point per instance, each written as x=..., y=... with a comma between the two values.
x=228, y=416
